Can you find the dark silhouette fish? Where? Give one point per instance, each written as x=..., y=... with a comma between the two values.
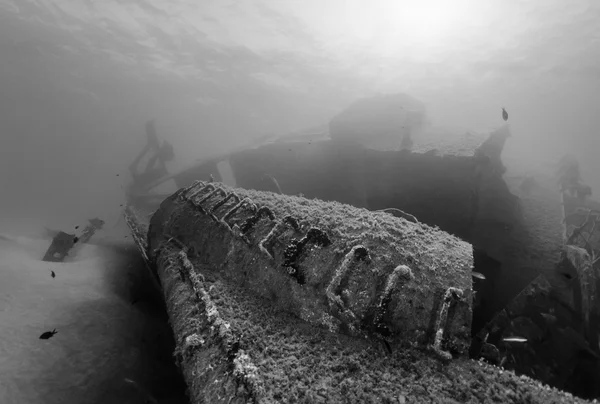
x=76, y=227
x=504, y=114
x=75, y=239
x=52, y=274
x=48, y=334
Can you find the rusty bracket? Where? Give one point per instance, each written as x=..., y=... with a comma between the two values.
x=357, y=253
x=399, y=277
x=204, y=187
x=451, y=297
x=217, y=190
x=253, y=220
x=275, y=232
x=246, y=202
x=296, y=248
x=231, y=195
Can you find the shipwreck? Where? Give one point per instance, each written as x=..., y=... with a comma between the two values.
x=314, y=267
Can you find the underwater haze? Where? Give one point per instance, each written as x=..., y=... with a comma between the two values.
x=80, y=78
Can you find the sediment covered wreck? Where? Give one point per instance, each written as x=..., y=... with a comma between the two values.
x=454, y=183
x=63, y=243
x=277, y=298
x=317, y=267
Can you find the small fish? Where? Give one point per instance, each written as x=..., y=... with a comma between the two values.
x=121, y=205
x=52, y=274
x=514, y=339
x=478, y=275
x=504, y=114
x=75, y=239
x=48, y=334
x=117, y=175
x=211, y=178
x=76, y=227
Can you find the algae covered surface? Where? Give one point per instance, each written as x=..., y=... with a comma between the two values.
x=364, y=296
x=297, y=362
x=236, y=345
x=356, y=224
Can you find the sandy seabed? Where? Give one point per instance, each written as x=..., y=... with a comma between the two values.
x=102, y=340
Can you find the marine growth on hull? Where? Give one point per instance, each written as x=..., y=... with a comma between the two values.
x=427, y=245
x=383, y=282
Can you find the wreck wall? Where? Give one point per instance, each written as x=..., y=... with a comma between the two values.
x=557, y=313
x=523, y=233
x=439, y=191
x=232, y=347
x=463, y=194
x=581, y=288
x=317, y=170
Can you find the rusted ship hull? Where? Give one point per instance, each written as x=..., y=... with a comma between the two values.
x=282, y=299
